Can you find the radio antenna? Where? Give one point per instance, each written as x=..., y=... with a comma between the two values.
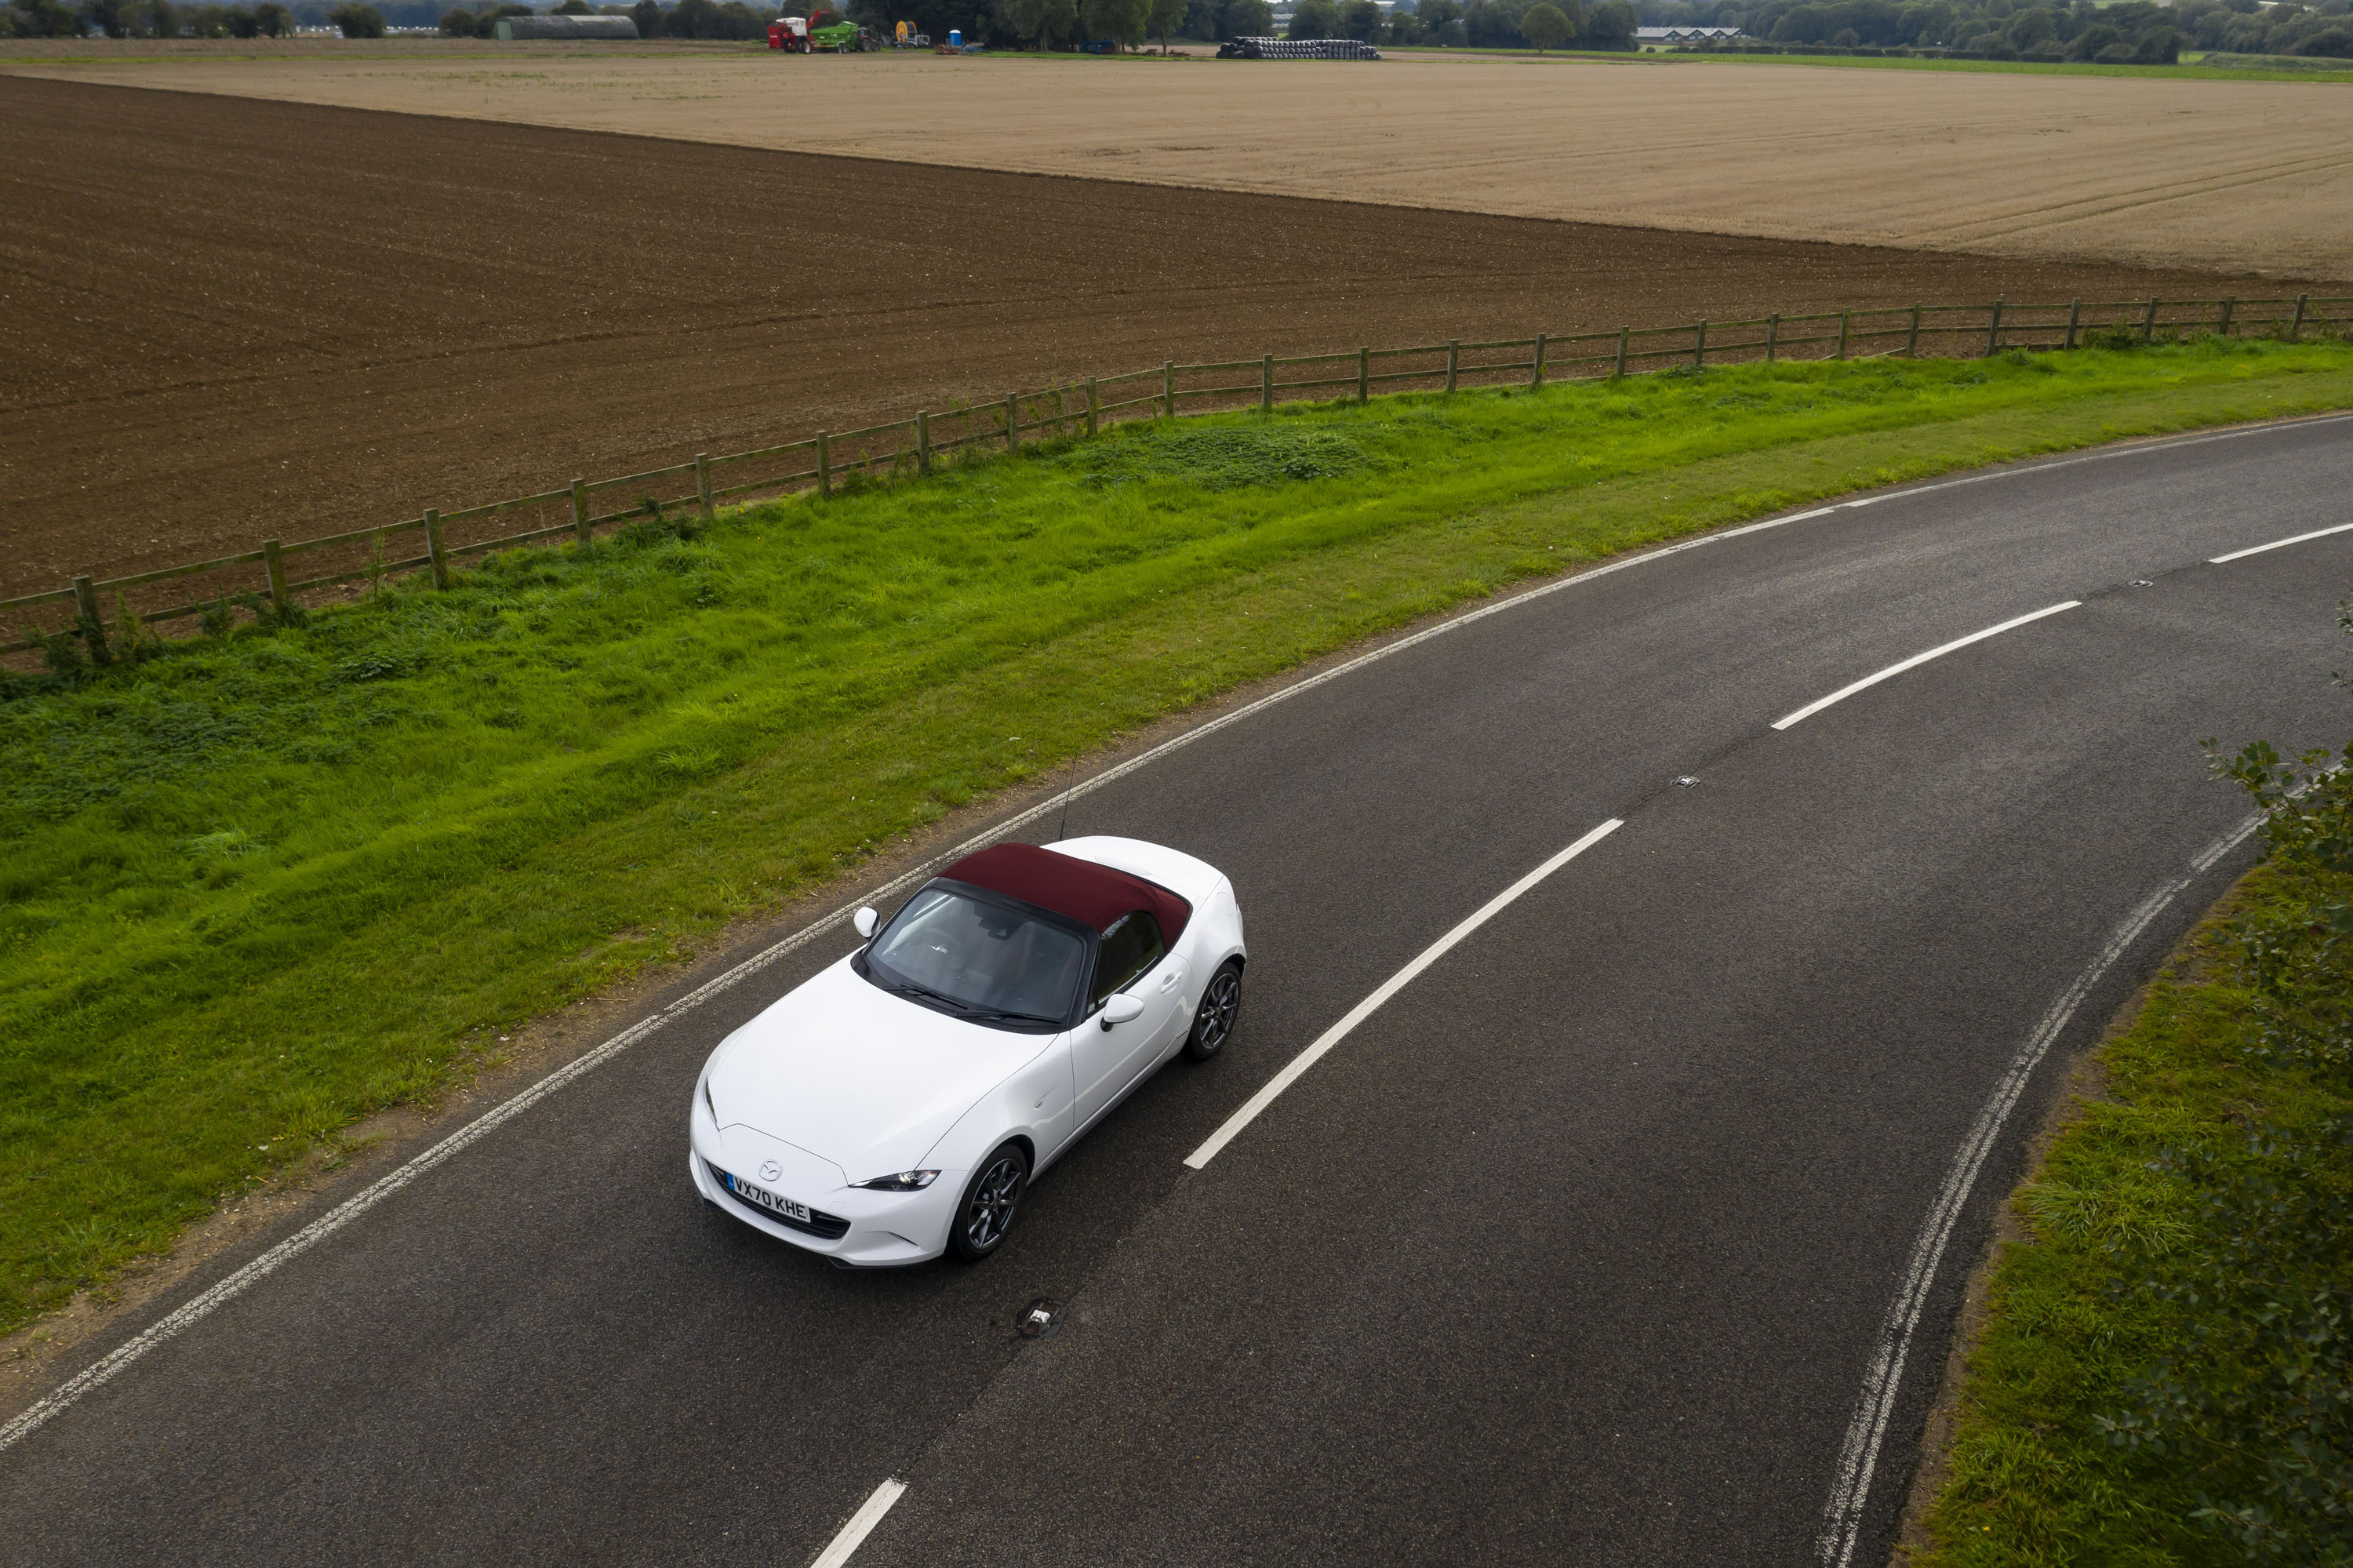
x=1063, y=826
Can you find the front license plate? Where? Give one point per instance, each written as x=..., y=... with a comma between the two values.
x=768, y=1200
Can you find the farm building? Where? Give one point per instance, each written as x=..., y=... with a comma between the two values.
x=1659, y=38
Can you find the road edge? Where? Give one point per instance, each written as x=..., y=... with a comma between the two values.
x=2083, y=1084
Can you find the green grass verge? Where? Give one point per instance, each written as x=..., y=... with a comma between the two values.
x=258, y=886
x=2166, y=1373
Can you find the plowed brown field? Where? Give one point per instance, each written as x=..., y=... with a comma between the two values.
x=2145, y=171
x=223, y=320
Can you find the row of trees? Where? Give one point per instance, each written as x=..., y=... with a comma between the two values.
x=1480, y=24
x=2134, y=31
x=2238, y=26
x=687, y=19
x=147, y=19
x=355, y=18
x=163, y=19
x=1049, y=24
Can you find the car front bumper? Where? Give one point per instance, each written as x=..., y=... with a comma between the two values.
x=878, y=1230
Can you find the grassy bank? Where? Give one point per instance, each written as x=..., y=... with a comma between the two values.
x=259, y=885
x=2166, y=1376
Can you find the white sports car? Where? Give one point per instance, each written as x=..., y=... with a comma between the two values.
x=897, y=1105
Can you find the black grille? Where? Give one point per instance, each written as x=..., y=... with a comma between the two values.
x=825, y=1227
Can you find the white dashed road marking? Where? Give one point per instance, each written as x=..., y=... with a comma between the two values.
x=1395, y=983
x=2278, y=545
x=1915, y=662
x=862, y=1524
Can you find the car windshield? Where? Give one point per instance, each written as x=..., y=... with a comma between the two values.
x=979, y=956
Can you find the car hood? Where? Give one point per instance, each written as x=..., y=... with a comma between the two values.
x=853, y=1074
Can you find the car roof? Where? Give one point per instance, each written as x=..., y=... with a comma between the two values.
x=1083, y=890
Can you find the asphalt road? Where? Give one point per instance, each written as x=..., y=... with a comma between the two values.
x=1577, y=1250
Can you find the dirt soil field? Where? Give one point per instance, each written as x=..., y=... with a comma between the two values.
x=2224, y=175
x=223, y=320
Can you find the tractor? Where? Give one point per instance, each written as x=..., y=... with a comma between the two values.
x=823, y=32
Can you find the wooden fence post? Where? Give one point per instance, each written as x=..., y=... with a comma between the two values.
x=1772, y=335
x=1621, y=373
x=824, y=463
x=1266, y=385
x=1993, y=330
x=579, y=510
x=2075, y=310
x=1536, y=380
x=1094, y=408
x=1845, y=319
x=1169, y=386
x=2222, y=328
x=2296, y=327
x=86, y=601
x=923, y=441
x=1453, y=361
x=2148, y=322
x=1012, y=420
x=1364, y=375
x=273, y=563
x=434, y=553
x=702, y=484
x=1912, y=343
x=1699, y=346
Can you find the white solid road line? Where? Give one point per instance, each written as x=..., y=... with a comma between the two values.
x=2278, y=545
x=190, y=1313
x=1915, y=662
x=862, y=1524
x=1395, y=983
x=1843, y=1518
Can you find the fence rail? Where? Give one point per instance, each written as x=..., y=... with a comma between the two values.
x=1078, y=409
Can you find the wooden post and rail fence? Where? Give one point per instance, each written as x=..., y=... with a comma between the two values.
x=1081, y=408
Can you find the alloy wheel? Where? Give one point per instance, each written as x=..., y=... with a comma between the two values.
x=1218, y=1010
x=993, y=1201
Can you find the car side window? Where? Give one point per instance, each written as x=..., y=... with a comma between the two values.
x=1130, y=947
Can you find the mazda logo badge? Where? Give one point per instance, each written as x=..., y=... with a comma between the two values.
x=770, y=1170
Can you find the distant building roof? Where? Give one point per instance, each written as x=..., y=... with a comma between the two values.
x=1684, y=35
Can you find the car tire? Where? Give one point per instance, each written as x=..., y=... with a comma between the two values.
x=1220, y=1010
x=990, y=1200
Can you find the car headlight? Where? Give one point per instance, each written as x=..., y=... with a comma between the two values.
x=712, y=1104
x=904, y=1181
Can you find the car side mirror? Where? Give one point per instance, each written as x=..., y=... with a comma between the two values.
x=1122, y=1009
x=864, y=921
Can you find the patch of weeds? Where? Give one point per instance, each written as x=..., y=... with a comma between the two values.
x=1239, y=456
x=378, y=666
x=271, y=616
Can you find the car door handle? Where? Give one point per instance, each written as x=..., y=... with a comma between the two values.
x=1168, y=979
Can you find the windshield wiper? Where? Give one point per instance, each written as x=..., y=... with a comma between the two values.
x=902, y=987
x=965, y=1009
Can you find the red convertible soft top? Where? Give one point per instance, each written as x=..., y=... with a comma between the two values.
x=1082, y=889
